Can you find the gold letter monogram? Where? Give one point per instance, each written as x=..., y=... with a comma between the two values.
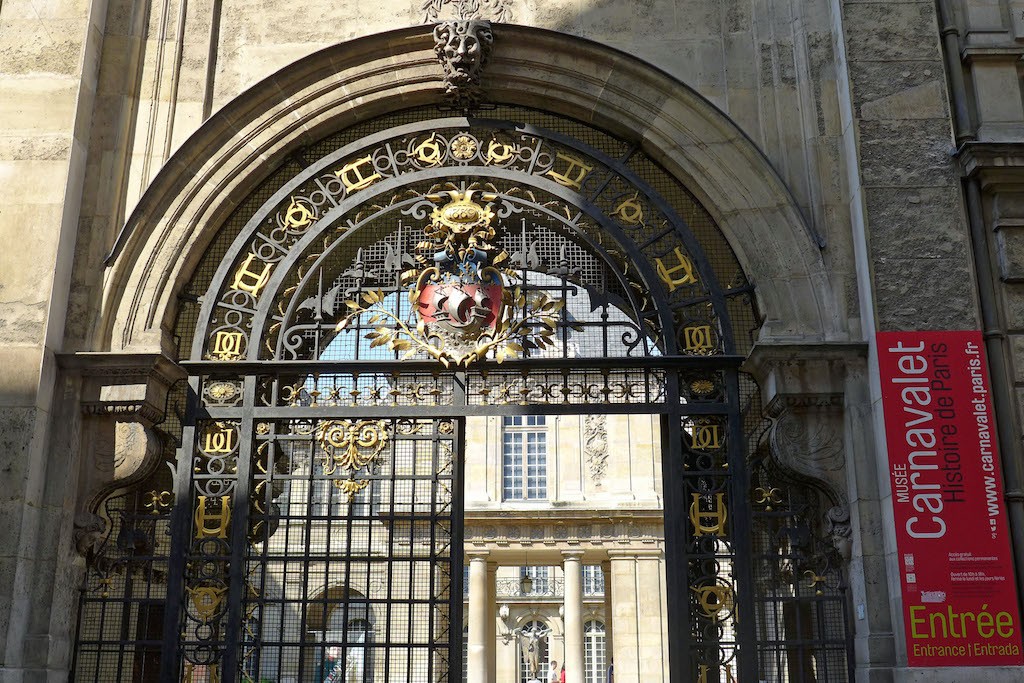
x=220, y=441
x=705, y=437
x=573, y=175
x=356, y=181
x=220, y=517
x=668, y=275
x=719, y=514
x=248, y=281
x=227, y=345
x=698, y=338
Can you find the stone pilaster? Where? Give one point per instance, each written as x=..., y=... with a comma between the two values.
x=478, y=613
x=573, y=570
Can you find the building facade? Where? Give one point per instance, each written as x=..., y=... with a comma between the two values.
x=362, y=342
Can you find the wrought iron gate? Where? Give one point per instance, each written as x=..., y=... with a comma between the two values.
x=417, y=270
x=347, y=565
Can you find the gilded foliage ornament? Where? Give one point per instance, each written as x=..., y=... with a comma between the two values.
x=351, y=445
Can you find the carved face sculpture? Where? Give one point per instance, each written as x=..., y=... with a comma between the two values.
x=463, y=47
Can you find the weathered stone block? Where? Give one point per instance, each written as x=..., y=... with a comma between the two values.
x=924, y=294
x=1013, y=304
x=916, y=222
x=908, y=153
x=891, y=31
x=1010, y=253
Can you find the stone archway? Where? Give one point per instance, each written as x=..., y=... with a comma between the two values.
x=172, y=227
x=232, y=152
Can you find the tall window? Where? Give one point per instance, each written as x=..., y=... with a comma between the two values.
x=593, y=652
x=525, y=458
x=465, y=654
x=593, y=580
x=348, y=652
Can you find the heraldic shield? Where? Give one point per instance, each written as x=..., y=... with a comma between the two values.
x=464, y=307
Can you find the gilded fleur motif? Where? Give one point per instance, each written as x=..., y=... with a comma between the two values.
x=463, y=147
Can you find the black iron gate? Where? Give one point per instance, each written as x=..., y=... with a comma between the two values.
x=431, y=269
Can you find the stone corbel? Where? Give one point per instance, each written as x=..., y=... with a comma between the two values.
x=804, y=390
x=122, y=396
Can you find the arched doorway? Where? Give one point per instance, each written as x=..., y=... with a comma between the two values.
x=427, y=271
x=316, y=402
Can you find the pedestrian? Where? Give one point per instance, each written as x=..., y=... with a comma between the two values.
x=561, y=677
x=553, y=673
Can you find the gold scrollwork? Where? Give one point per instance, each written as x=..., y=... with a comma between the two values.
x=220, y=516
x=631, y=212
x=297, y=216
x=715, y=600
x=671, y=276
x=227, y=345
x=698, y=517
x=727, y=676
x=698, y=338
x=428, y=151
x=498, y=153
x=767, y=496
x=573, y=174
x=207, y=673
x=815, y=581
x=158, y=502
x=250, y=281
x=352, y=176
x=351, y=445
x=207, y=600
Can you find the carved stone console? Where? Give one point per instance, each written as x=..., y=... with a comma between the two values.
x=121, y=397
x=805, y=392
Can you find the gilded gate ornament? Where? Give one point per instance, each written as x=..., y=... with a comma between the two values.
x=351, y=446
x=463, y=308
x=715, y=600
x=700, y=517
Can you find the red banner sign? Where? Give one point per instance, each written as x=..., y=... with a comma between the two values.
x=959, y=595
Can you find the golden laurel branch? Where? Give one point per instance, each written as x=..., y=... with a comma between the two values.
x=533, y=329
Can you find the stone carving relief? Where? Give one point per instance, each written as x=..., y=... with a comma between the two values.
x=463, y=48
x=595, y=445
x=88, y=532
x=806, y=438
x=837, y=525
x=497, y=10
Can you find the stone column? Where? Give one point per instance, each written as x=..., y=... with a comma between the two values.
x=609, y=648
x=625, y=652
x=572, y=568
x=478, y=611
x=492, y=621
x=652, y=622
